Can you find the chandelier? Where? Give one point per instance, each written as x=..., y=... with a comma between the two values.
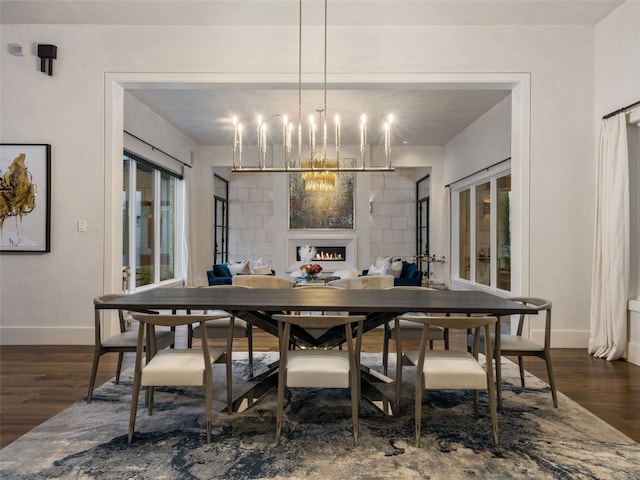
x=319, y=169
x=319, y=178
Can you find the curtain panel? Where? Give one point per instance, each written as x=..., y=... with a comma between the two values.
x=610, y=272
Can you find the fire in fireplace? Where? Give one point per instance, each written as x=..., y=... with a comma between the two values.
x=326, y=254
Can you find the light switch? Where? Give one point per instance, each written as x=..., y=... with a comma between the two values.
x=82, y=225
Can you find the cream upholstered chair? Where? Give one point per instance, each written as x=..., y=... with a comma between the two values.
x=515, y=345
x=173, y=367
x=228, y=327
x=320, y=368
x=364, y=282
x=410, y=331
x=262, y=281
x=319, y=331
x=453, y=369
x=121, y=343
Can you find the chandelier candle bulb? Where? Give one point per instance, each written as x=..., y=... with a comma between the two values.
x=259, y=136
x=324, y=138
x=285, y=122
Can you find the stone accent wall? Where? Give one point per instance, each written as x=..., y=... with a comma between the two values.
x=392, y=230
x=250, y=217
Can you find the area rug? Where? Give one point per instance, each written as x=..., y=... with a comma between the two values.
x=89, y=441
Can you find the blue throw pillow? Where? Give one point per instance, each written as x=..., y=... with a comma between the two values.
x=221, y=270
x=408, y=270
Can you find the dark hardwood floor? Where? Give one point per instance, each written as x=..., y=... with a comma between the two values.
x=37, y=382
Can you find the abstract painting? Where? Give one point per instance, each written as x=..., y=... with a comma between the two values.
x=322, y=209
x=25, y=197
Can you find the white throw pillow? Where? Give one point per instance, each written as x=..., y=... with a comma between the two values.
x=395, y=268
x=239, y=268
x=258, y=267
x=346, y=273
x=382, y=261
x=373, y=270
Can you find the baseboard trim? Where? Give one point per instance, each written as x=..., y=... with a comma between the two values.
x=633, y=353
x=46, y=336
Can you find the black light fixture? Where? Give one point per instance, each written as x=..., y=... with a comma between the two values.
x=47, y=52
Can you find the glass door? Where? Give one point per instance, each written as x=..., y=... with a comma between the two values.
x=220, y=219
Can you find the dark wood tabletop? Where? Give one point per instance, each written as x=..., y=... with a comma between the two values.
x=303, y=299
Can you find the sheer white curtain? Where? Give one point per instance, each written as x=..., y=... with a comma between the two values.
x=609, y=290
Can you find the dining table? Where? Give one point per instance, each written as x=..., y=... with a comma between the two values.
x=257, y=306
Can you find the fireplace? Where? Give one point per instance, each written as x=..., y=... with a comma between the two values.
x=326, y=254
x=333, y=251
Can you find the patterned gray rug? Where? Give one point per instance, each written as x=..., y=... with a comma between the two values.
x=536, y=440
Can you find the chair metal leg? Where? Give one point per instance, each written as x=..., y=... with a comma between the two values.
x=209, y=406
x=119, y=368
x=137, y=376
x=355, y=406
x=552, y=381
x=94, y=372
x=494, y=417
x=419, y=387
x=229, y=366
x=521, y=368
x=385, y=348
x=398, y=373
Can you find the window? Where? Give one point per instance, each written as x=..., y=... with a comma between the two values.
x=149, y=234
x=422, y=210
x=481, y=223
x=220, y=219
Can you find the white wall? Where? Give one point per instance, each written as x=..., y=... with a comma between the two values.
x=618, y=85
x=52, y=293
x=484, y=143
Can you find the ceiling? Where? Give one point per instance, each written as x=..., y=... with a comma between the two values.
x=284, y=12
x=422, y=116
x=425, y=115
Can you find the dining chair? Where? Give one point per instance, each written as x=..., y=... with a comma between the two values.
x=409, y=331
x=516, y=345
x=120, y=343
x=262, y=281
x=219, y=328
x=453, y=369
x=175, y=367
x=319, y=367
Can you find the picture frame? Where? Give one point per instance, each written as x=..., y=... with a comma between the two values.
x=25, y=198
x=322, y=209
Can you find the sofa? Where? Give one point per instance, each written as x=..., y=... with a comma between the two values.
x=409, y=276
x=220, y=274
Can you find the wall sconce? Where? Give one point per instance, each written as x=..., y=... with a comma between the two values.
x=47, y=52
x=371, y=207
x=486, y=208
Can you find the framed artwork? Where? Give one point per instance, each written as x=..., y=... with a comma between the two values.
x=25, y=197
x=322, y=209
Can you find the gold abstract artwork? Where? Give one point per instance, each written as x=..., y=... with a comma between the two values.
x=17, y=192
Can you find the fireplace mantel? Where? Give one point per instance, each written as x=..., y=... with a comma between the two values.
x=323, y=239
